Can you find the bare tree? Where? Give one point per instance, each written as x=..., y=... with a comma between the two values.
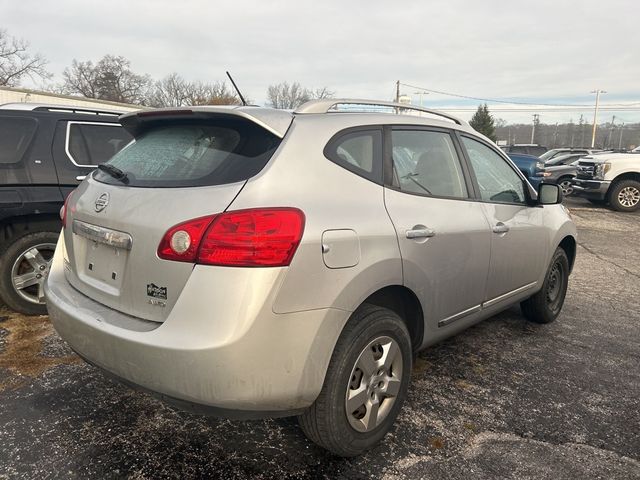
x=321, y=93
x=216, y=93
x=289, y=96
x=109, y=79
x=175, y=91
x=16, y=62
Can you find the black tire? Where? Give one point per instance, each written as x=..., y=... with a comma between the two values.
x=8, y=292
x=545, y=306
x=327, y=422
x=565, y=184
x=596, y=201
x=624, y=196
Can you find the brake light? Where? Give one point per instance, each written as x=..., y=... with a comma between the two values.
x=261, y=237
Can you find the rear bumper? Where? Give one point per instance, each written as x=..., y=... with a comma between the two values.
x=220, y=351
x=594, y=189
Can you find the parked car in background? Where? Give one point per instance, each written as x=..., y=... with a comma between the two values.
x=45, y=152
x=561, y=169
x=525, y=148
x=531, y=166
x=612, y=178
x=296, y=266
x=560, y=152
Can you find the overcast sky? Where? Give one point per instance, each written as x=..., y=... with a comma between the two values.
x=536, y=51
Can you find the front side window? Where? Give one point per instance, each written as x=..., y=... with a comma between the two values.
x=427, y=163
x=15, y=136
x=498, y=182
x=93, y=143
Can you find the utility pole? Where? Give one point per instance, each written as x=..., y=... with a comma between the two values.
x=555, y=136
x=421, y=93
x=397, y=91
x=620, y=141
x=610, y=136
x=533, y=130
x=595, y=116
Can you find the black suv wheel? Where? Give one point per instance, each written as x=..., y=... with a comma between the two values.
x=23, y=269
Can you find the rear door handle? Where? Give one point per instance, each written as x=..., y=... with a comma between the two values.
x=500, y=228
x=420, y=233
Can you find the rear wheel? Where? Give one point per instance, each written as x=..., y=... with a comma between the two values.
x=625, y=196
x=365, y=385
x=545, y=306
x=24, y=267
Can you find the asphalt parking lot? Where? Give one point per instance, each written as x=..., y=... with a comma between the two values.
x=505, y=399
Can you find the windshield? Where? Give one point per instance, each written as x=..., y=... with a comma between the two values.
x=549, y=155
x=193, y=154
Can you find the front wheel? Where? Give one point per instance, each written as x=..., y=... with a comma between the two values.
x=625, y=196
x=565, y=185
x=24, y=267
x=365, y=385
x=545, y=306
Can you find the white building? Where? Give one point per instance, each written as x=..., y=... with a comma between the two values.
x=23, y=95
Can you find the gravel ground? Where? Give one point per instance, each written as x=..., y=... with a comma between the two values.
x=505, y=399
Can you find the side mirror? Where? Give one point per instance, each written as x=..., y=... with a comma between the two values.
x=549, y=194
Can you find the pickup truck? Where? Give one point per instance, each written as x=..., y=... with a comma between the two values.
x=612, y=178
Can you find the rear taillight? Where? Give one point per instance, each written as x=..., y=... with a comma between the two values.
x=261, y=237
x=63, y=211
x=181, y=242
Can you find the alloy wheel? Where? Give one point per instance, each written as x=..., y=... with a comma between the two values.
x=629, y=196
x=567, y=188
x=30, y=270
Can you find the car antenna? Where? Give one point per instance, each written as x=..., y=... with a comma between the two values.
x=237, y=89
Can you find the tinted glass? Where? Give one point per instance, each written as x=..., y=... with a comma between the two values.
x=194, y=154
x=427, y=163
x=15, y=135
x=498, y=182
x=92, y=144
x=359, y=151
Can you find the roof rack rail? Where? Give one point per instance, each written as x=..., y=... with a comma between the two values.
x=44, y=107
x=328, y=106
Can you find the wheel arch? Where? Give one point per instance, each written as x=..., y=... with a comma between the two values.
x=404, y=302
x=12, y=228
x=569, y=245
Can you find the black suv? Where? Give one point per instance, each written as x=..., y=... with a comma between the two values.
x=45, y=152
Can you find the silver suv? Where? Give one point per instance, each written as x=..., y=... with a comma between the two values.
x=250, y=262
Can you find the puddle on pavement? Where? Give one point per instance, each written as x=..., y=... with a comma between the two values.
x=22, y=350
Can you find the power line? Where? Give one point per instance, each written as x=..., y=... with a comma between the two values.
x=513, y=102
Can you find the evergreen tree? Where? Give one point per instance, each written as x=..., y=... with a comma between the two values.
x=482, y=121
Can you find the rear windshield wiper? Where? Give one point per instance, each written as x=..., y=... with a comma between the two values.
x=115, y=172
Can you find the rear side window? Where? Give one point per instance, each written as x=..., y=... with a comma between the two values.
x=15, y=136
x=359, y=151
x=90, y=144
x=194, y=154
x=426, y=163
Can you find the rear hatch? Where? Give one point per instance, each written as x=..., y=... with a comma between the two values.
x=183, y=165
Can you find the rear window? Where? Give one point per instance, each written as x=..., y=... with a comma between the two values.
x=15, y=136
x=194, y=154
x=91, y=144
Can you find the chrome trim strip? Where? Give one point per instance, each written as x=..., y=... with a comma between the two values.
x=497, y=299
x=68, y=134
x=459, y=315
x=106, y=236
